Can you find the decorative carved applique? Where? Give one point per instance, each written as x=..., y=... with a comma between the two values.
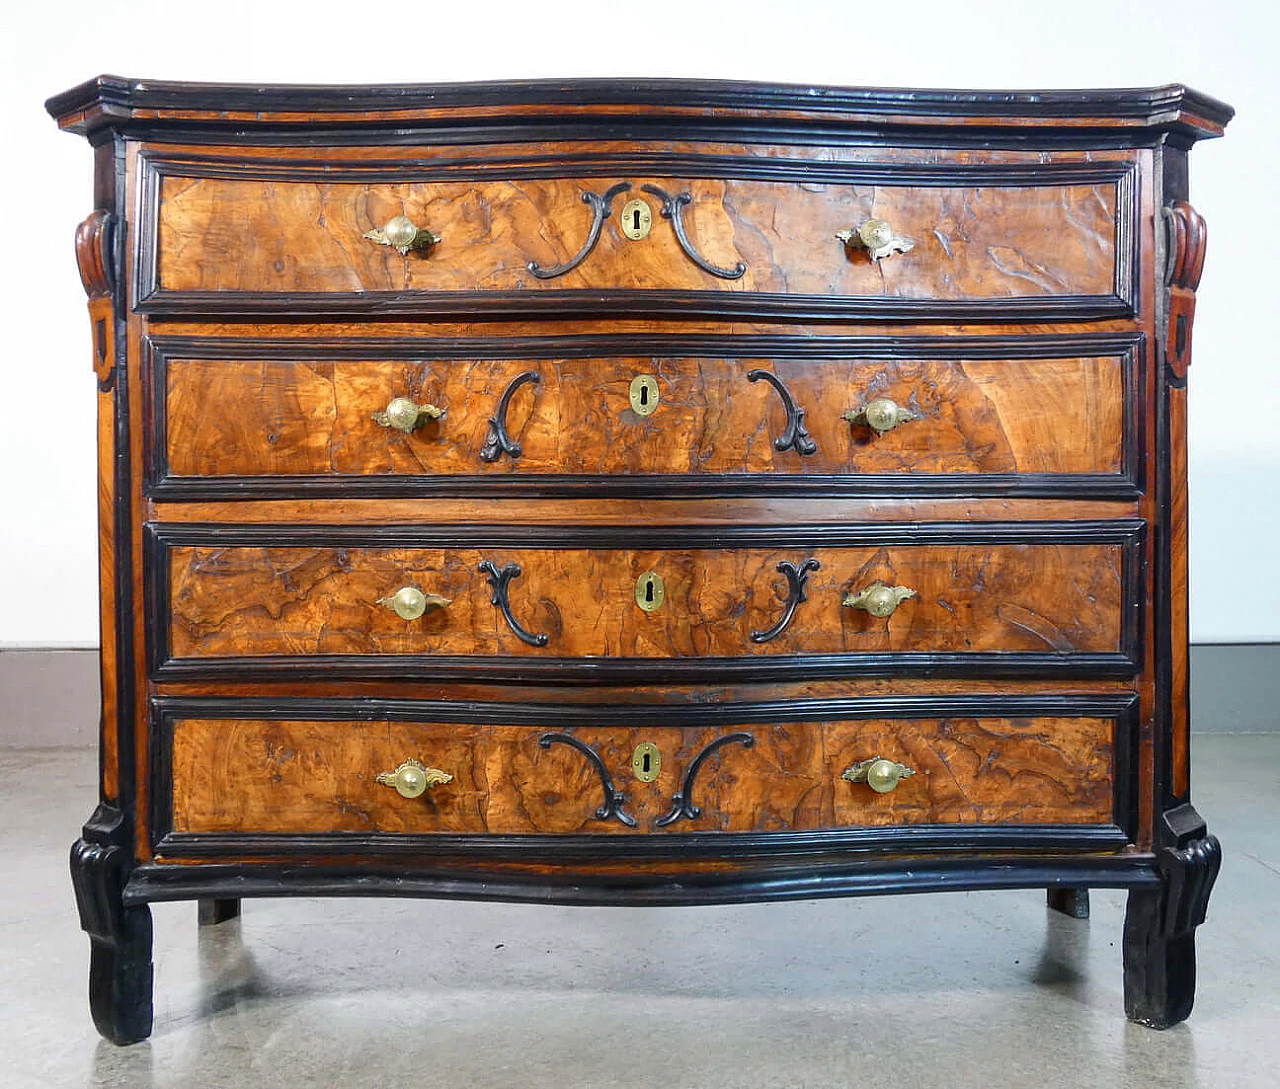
x=94, y=240
x=1188, y=238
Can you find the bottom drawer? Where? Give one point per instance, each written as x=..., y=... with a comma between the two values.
x=567, y=770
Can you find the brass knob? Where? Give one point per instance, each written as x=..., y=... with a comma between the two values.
x=880, y=415
x=409, y=603
x=876, y=237
x=413, y=778
x=402, y=233
x=878, y=599
x=879, y=774
x=405, y=415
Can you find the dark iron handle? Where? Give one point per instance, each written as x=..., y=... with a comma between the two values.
x=795, y=434
x=672, y=209
x=498, y=442
x=614, y=799
x=601, y=206
x=797, y=577
x=682, y=807
x=499, y=580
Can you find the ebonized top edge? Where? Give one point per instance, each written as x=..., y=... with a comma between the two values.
x=116, y=99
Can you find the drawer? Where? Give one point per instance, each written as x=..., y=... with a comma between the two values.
x=1033, y=415
x=770, y=769
x=744, y=235
x=676, y=600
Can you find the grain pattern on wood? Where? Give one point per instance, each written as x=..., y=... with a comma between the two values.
x=286, y=776
x=314, y=418
x=218, y=234
x=245, y=600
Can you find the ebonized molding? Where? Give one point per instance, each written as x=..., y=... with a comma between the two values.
x=160, y=537
x=1121, y=707
x=162, y=486
x=150, y=883
x=150, y=296
x=751, y=109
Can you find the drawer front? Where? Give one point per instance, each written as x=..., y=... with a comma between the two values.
x=1045, y=240
x=282, y=776
x=249, y=419
x=1062, y=602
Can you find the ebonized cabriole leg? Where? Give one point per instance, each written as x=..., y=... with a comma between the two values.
x=1160, y=924
x=1074, y=903
x=213, y=912
x=119, y=936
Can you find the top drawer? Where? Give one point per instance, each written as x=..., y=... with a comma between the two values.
x=709, y=236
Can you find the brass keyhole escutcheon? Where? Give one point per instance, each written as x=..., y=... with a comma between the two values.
x=644, y=395
x=646, y=761
x=637, y=218
x=650, y=591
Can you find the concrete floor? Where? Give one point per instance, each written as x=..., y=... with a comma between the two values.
x=945, y=991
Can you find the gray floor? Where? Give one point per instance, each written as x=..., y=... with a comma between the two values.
x=945, y=991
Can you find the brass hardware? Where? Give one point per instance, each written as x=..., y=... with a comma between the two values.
x=637, y=218
x=877, y=237
x=650, y=591
x=880, y=415
x=404, y=415
x=878, y=599
x=646, y=761
x=879, y=774
x=412, y=779
x=404, y=235
x=644, y=395
x=409, y=603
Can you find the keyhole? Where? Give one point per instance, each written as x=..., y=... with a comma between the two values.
x=635, y=219
x=648, y=596
x=644, y=395
x=647, y=763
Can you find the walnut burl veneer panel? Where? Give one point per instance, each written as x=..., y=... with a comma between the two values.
x=246, y=418
x=245, y=600
x=308, y=777
x=219, y=234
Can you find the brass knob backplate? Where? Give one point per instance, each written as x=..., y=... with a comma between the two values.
x=880, y=415
x=879, y=774
x=412, y=779
x=877, y=238
x=404, y=414
x=409, y=603
x=404, y=235
x=878, y=599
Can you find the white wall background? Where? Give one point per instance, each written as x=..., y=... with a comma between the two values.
x=48, y=573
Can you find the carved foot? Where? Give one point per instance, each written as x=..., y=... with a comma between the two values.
x=213, y=912
x=1160, y=925
x=119, y=936
x=1073, y=903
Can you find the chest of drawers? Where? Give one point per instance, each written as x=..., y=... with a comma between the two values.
x=641, y=493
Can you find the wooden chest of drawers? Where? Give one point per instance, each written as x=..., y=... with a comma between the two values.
x=642, y=493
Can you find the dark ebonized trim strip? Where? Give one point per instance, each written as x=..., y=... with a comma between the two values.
x=151, y=298
x=1122, y=707
x=163, y=487
x=734, y=535
x=762, y=669
x=689, y=166
x=153, y=882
